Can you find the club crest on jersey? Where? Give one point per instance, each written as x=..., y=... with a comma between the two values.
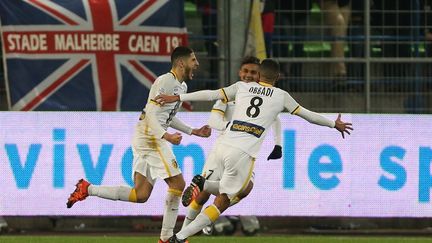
x=176, y=91
x=174, y=163
x=241, y=126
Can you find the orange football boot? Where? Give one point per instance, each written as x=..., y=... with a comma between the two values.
x=80, y=193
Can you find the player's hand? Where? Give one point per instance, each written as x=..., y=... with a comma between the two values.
x=343, y=127
x=174, y=138
x=276, y=153
x=162, y=99
x=204, y=131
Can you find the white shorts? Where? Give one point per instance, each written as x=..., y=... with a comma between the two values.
x=231, y=166
x=157, y=163
x=210, y=166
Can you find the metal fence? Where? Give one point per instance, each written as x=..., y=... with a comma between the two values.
x=338, y=55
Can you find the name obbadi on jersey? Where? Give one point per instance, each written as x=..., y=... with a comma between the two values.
x=267, y=91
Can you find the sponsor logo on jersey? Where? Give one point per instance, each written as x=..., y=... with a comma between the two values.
x=241, y=126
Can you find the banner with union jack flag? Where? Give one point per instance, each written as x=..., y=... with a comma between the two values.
x=87, y=54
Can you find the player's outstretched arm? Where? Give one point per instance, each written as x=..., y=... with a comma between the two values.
x=203, y=95
x=321, y=120
x=226, y=94
x=343, y=127
x=163, y=99
x=294, y=108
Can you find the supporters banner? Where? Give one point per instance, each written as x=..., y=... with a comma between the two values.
x=382, y=170
x=87, y=54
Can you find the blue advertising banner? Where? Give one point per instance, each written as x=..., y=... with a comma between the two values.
x=382, y=170
x=87, y=54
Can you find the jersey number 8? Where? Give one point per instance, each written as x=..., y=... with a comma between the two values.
x=255, y=104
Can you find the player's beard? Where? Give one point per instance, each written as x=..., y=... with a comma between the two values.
x=188, y=74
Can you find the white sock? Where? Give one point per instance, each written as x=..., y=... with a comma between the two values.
x=170, y=215
x=211, y=187
x=122, y=193
x=193, y=210
x=208, y=216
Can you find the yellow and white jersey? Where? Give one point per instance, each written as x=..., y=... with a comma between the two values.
x=226, y=108
x=164, y=84
x=220, y=115
x=257, y=105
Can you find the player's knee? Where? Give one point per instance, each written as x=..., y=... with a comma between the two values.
x=242, y=195
x=179, y=185
x=245, y=192
x=222, y=202
x=182, y=185
x=142, y=197
x=176, y=183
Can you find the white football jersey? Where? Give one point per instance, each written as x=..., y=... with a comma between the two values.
x=226, y=108
x=221, y=114
x=167, y=84
x=256, y=107
x=164, y=84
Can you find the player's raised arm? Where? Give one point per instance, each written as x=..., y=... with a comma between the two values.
x=343, y=127
x=316, y=118
x=225, y=94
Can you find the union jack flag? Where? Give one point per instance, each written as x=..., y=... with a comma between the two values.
x=87, y=54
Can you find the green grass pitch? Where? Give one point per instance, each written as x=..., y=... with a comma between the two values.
x=234, y=239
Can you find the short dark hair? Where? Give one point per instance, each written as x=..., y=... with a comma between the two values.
x=179, y=52
x=250, y=60
x=269, y=69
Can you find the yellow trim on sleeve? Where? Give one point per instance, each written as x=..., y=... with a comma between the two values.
x=195, y=206
x=175, y=192
x=218, y=111
x=133, y=196
x=212, y=212
x=225, y=100
x=296, y=110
